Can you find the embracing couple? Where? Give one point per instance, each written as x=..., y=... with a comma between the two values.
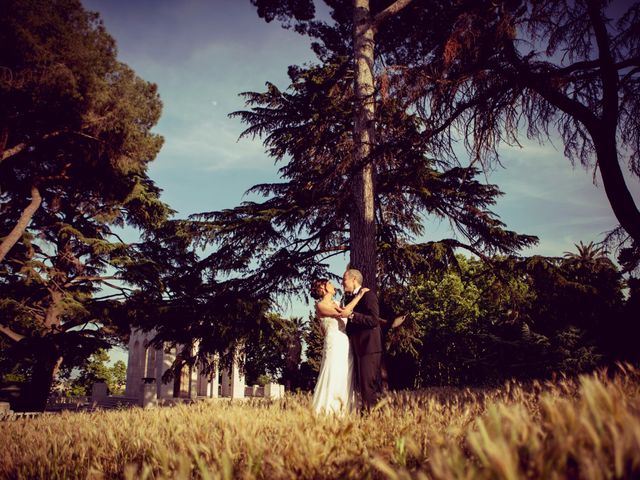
x=350, y=375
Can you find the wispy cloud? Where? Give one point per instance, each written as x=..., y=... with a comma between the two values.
x=546, y=196
x=212, y=146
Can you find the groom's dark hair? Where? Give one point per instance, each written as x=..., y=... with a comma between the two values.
x=316, y=287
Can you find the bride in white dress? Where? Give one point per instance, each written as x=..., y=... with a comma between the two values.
x=334, y=392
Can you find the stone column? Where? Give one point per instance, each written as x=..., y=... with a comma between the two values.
x=225, y=383
x=193, y=381
x=158, y=371
x=149, y=395
x=5, y=409
x=237, y=377
x=214, y=382
x=150, y=362
x=167, y=358
x=132, y=387
x=193, y=371
x=273, y=390
x=204, y=379
x=140, y=370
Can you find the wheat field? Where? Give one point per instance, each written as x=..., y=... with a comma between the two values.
x=586, y=427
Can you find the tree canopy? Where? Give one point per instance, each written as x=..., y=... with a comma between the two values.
x=367, y=138
x=93, y=370
x=483, y=73
x=498, y=71
x=517, y=318
x=76, y=138
x=281, y=243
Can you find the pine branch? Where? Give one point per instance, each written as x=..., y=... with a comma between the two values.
x=72, y=324
x=98, y=299
x=392, y=9
x=13, y=335
x=87, y=278
x=10, y=240
x=20, y=147
x=593, y=65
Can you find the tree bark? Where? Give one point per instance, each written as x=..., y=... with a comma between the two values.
x=10, y=152
x=10, y=240
x=391, y=10
x=604, y=138
x=615, y=187
x=48, y=355
x=362, y=233
x=20, y=147
x=362, y=218
x=52, y=315
x=602, y=130
x=9, y=333
x=34, y=396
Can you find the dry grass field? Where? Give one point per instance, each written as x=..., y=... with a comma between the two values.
x=587, y=427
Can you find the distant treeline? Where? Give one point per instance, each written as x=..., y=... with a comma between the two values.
x=478, y=323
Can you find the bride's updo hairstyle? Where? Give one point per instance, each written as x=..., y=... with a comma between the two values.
x=317, y=288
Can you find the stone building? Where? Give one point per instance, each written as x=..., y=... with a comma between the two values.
x=147, y=365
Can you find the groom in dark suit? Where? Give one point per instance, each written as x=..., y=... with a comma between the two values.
x=363, y=329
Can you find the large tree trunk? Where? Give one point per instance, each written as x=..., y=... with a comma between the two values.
x=33, y=397
x=17, y=231
x=604, y=137
x=620, y=198
x=362, y=218
x=46, y=351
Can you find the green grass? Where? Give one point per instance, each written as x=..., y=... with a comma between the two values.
x=587, y=427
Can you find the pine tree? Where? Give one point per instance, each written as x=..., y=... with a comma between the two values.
x=76, y=136
x=280, y=244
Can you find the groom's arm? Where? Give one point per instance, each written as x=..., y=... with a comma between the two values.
x=370, y=316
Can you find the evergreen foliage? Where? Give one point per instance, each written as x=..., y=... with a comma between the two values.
x=281, y=243
x=76, y=135
x=95, y=369
x=481, y=74
x=482, y=323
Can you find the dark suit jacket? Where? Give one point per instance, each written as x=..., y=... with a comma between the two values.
x=364, y=328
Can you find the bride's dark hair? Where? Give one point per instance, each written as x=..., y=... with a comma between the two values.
x=316, y=288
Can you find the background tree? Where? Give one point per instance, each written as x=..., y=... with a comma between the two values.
x=365, y=22
x=480, y=73
x=480, y=323
x=275, y=351
x=63, y=89
x=118, y=378
x=76, y=127
x=96, y=369
x=314, y=345
x=264, y=251
x=280, y=244
x=493, y=70
x=476, y=73
x=631, y=326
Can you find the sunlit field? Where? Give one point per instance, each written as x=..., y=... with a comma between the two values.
x=587, y=427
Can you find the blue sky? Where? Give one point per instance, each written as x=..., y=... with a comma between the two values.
x=202, y=53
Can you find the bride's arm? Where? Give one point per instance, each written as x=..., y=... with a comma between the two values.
x=348, y=308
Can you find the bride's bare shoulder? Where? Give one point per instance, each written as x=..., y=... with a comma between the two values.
x=322, y=304
x=325, y=307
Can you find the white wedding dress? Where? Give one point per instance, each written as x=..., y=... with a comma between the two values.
x=334, y=392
